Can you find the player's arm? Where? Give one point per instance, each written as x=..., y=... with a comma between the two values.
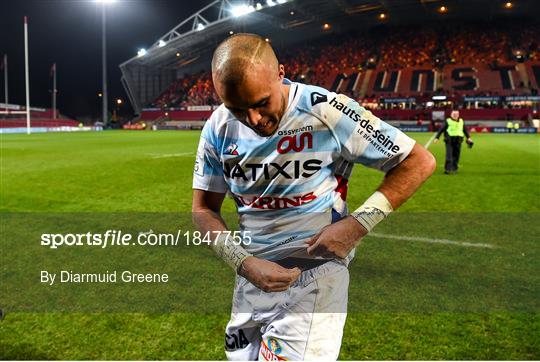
x=400, y=183
x=264, y=274
x=374, y=143
x=206, y=208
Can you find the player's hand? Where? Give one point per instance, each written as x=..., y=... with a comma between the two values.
x=268, y=276
x=436, y=140
x=336, y=240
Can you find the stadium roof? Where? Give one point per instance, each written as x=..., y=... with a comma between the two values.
x=285, y=22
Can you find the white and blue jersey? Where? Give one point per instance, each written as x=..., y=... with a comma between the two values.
x=290, y=185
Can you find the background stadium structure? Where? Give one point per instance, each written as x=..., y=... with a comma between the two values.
x=392, y=56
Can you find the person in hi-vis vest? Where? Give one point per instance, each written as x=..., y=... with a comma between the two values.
x=454, y=131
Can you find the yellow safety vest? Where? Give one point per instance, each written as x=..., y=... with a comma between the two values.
x=509, y=125
x=516, y=125
x=455, y=128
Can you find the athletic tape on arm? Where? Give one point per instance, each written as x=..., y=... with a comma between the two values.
x=231, y=253
x=373, y=211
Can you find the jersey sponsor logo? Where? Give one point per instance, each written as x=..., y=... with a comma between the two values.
x=198, y=168
x=236, y=340
x=269, y=171
x=317, y=98
x=232, y=149
x=275, y=203
x=269, y=350
x=346, y=110
x=382, y=142
x=379, y=140
x=295, y=143
x=199, y=159
x=289, y=132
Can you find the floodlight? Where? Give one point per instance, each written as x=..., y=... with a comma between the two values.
x=241, y=10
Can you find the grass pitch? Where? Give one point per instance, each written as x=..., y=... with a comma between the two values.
x=422, y=287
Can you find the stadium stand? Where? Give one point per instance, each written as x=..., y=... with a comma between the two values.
x=403, y=73
x=445, y=47
x=40, y=117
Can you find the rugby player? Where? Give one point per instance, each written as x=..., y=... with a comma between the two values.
x=284, y=151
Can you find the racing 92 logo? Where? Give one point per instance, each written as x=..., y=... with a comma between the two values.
x=295, y=143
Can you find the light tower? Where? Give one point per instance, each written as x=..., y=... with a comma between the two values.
x=104, y=4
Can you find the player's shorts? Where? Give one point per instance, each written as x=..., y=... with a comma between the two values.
x=304, y=322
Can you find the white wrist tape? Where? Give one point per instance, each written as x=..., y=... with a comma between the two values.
x=373, y=211
x=229, y=251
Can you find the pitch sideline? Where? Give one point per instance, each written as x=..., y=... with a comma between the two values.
x=426, y=146
x=167, y=155
x=433, y=241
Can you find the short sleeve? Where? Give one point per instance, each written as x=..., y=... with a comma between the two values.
x=363, y=137
x=208, y=173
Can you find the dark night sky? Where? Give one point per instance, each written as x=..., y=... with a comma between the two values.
x=68, y=32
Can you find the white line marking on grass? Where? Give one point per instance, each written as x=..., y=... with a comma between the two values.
x=426, y=146
x=434, y=241
x=165, y=155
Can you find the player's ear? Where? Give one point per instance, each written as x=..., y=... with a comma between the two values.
x=281, y=72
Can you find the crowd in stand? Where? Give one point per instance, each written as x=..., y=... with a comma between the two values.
x=201, y=92
x=346, y=57
x=382, y=47
x=473, y=44
x=176, y=92
x=407, y=47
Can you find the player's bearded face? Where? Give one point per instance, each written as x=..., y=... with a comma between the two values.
x=259, y=101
